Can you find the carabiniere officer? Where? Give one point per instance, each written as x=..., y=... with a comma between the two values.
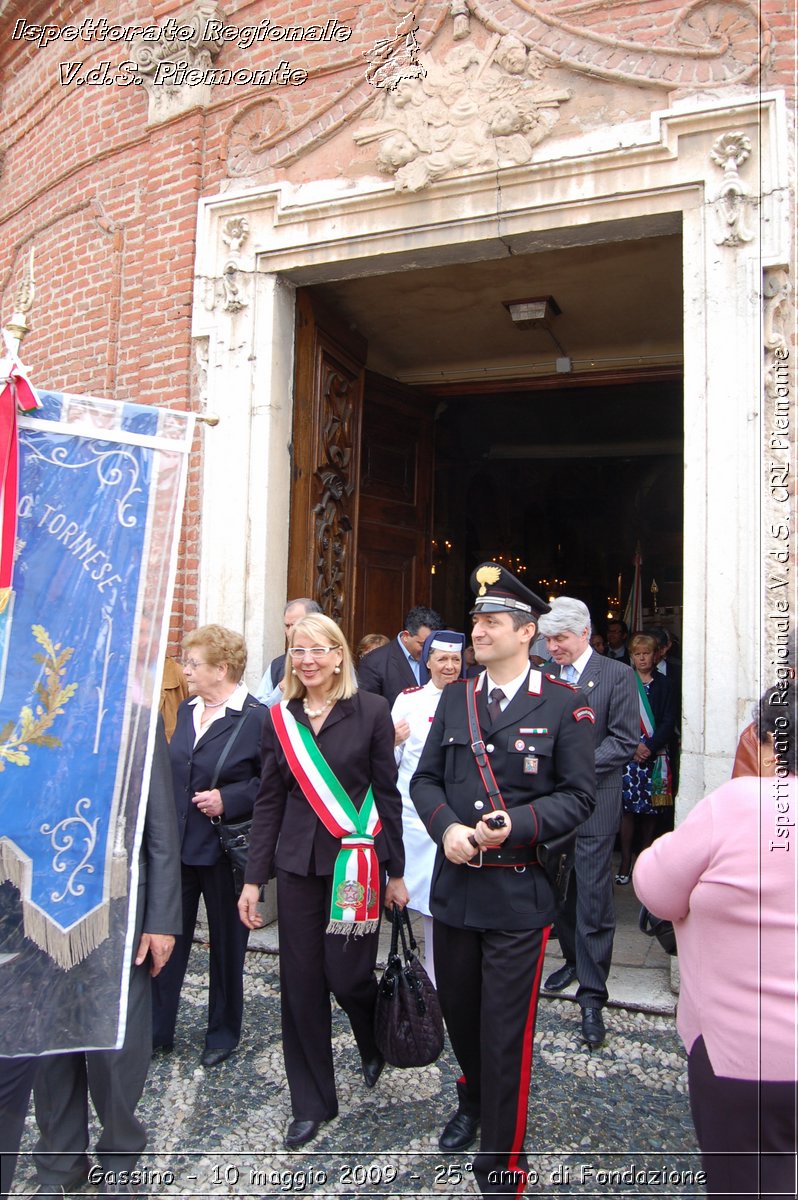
x=492, y=903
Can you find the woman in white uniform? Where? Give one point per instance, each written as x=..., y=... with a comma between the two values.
x=412, y=714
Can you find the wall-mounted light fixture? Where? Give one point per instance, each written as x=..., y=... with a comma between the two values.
x=538, y=313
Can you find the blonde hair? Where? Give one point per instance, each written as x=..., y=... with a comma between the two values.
x=643, y=641
x=220, y=645
x=325, y=632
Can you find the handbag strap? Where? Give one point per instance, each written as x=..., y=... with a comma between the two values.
x=401, y=928
x=227, y=748
x=478, y=748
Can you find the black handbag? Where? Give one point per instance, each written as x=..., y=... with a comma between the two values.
x=408, y=1026
x=233, y=835
x=658, y=928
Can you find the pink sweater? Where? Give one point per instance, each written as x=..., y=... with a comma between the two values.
x=728, y=879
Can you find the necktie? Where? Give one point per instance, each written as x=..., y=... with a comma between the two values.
x=569, y=673
x=495, y=704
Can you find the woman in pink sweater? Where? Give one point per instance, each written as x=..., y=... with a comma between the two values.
x=727, y=878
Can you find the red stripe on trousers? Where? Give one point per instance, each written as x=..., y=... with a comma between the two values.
x=526, y=1065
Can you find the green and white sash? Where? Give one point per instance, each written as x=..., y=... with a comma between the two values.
x=661, y=790
x=354, y=907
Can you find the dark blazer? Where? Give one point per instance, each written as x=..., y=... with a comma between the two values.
x=609, y=687
x=160, y=908
x=357, y=740
x=541, y=753
x=193, y=768
x=277, y=669
x=387, y=672
x=662, y=699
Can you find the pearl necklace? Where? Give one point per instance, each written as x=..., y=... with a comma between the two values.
x=218, y=704
x=316, y=712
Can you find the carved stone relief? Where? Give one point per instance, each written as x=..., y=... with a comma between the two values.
x=709, y=45
x=729, y=152
x=475, y=109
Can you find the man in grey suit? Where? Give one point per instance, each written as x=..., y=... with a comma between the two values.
x=586, y=920
x=115, y=1078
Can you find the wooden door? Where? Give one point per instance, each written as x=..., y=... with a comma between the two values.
x=361, y=511
x=395, y=515
x=328, y=404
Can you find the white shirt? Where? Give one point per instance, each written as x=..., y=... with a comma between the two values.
x=578, y=665
x=234, y=701
x=509, y=689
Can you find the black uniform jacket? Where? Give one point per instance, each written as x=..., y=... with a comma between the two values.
x=193, y=769
x=541, y=750
x=357, y=740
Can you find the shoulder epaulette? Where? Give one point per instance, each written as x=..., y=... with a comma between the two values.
x=563, y=683
x=409, y=691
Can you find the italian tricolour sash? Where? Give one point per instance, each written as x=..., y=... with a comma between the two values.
x=354, y=908
x=661, y=794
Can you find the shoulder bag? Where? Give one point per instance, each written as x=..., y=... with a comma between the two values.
x=408, y=1026
x=658, y=928
x=233, y=835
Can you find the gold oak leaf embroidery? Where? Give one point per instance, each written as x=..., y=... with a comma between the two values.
x=31, y=726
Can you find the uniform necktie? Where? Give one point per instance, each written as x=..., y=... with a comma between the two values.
x=495, y=705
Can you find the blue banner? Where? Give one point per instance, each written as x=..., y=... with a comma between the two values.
x=82, y=642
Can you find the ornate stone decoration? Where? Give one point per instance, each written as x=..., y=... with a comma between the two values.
x=333, y=518
x=396, y=58
x=778, y=369
x=729, y=152
x=776, y=291
x=473, y=110
x=160, y=64
x=252, y=133
x=711, y=44
x=235, y=232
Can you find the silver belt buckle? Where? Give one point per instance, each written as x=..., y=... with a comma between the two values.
x=475, y=865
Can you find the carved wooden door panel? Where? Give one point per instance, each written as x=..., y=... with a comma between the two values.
x=328, y=403
x=395, y=515
x=361, y=513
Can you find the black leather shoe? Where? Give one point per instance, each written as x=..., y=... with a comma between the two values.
x=299, y=1133
x=459, y=1133
x=560, y=978
x=215, y=1055
x=372, y=1069
x=593, y=1031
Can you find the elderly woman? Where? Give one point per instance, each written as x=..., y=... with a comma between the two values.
x=728, y=879
x=215, y=757
x=412, y=714
x=647, y=779
x=328, y=822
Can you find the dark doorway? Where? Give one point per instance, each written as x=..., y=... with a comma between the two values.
x=562, y=485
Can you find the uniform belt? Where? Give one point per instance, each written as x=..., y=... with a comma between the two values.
x=517, y=859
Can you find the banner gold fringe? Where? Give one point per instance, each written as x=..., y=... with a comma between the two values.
x=67, y=947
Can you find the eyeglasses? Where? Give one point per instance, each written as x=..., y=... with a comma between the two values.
x=192, y=663
x=298, y=652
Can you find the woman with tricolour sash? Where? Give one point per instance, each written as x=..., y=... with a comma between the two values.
x=328, y=824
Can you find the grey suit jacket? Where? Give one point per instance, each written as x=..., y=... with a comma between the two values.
x=610, y=689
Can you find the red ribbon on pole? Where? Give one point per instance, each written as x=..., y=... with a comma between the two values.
x=17, y=393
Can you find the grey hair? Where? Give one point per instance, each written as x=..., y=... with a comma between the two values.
x=567, y=615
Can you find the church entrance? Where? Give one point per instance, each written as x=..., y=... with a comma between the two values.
x=433, y=431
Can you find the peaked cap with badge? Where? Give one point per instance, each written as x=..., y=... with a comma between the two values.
x=497, y=590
